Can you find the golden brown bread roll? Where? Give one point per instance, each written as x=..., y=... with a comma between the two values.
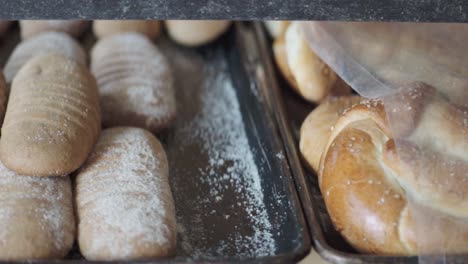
x=47, y=42
x=276, y=28
x=124, y=202
x=36, y=216
x=196, y=32
x=52, y=119
x=376, y=179
x=317, y=127
x=135, y=82
x=104, y=28
x=73, y=28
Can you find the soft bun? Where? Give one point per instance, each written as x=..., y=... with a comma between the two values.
x=150, y=28
x=307, y=74
x=380, y=185
x=196, y=32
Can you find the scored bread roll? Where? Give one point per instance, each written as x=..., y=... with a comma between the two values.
x=52, y=119
x=135, y=82
x=124, y=202
x=73, y=28
x=36, y=216
x=104, y=28
x=196, y=32
x=318, y=125
x=307, y=74
x=276, y=28
x=43, y=43
x=375, y=178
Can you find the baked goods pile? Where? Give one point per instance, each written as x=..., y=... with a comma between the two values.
x=121, y=206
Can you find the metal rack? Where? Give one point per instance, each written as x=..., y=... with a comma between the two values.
x=362, y=10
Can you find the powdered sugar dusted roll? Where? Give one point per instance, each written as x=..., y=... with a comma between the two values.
x=124, y=202
x=135, y=82
x=36, y=216
x=74, y=28
x=47, y=42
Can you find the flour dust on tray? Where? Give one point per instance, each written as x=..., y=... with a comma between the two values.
x=209, y=152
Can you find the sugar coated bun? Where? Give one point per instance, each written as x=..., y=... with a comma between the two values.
x=43, y=43
x=150, y=28
x=399, y=190
x=307, y=74
x=124, y=202
x=74, y=28
x=52, y=119
x=276, y=28
x=196, y=32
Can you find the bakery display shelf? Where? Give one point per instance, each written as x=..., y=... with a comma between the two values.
x=291, y=110
x=365, y=10
x=235, y=197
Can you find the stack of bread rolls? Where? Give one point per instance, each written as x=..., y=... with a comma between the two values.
x=392, y=172
x=52, y=132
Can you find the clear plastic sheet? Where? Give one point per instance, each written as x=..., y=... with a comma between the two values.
x=420, y=72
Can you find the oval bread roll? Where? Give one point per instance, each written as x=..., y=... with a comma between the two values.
x=104, y=28
x=318, y=125
x=135, y=82
x=52, y=119
x=307, y=74
x=399, y=190
x=196, y=32
x=124, y=202
x=36, y=216
x=47, y=42
x=74, y=28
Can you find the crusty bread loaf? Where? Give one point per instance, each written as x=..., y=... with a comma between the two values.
x=124, y=202
x=376, y=179
x=36, y=216
x=135, y=82
x=47, y=42
x=196, y=32
x=276, y=28
x=104, y=28
x=52, y=119
x=318, y=125
x=307, y=74
x=73, y=28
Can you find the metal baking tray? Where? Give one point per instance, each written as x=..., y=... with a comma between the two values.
x=291, y=110
x=235, y=197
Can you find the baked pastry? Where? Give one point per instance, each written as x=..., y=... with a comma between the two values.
x=135, y=82
x=36, y=216
x=74, y=28
x=104, y=28
x=52, y=119
x=124, y=202
x=196, y=32
x=4, y=26
x=276, y=28
x=399, y=190
x=307, y=74
x=318, y=125
x=43, y=43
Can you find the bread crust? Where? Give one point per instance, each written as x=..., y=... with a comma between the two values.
x=150, y=28
x=124, y=202
x=196, y=32
x=52, y=119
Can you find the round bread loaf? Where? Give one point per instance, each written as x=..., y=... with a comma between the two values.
x=196, y=32
x=74, y=28
x=276, y=28
x=36, y=216
x=124, y=202
x=47, y=42
x=399, y=190
x=52, y=119
x=318, y=125
x=104, y=28
x=307, y=74
x=135, y=82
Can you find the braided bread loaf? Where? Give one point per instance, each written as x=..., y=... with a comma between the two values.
x=400, y=189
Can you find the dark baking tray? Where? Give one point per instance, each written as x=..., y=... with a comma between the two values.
x=205, y=219
x=291, y=110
